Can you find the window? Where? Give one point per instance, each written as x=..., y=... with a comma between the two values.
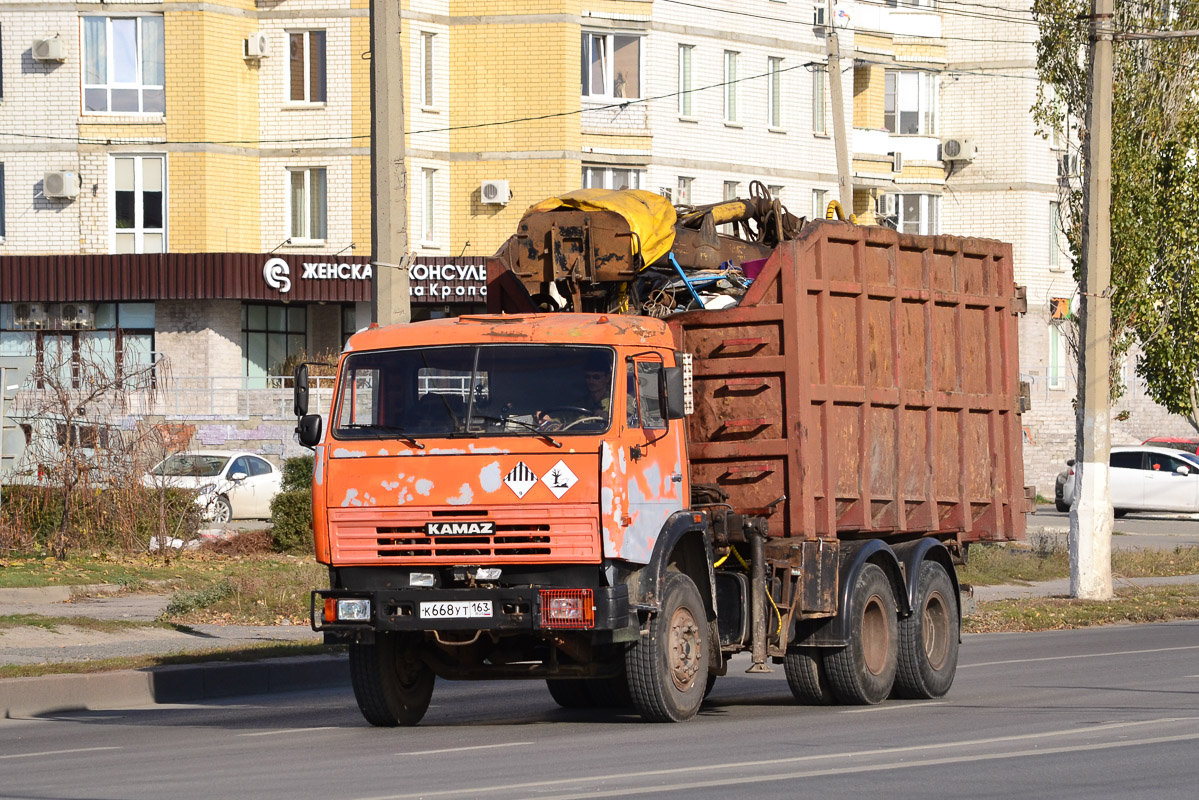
x=731, y=190
x=685, y=51
x=684, y=197
x=426, y=84
x=612, y=178
x=730, y=86
x=776, y=191
x=307, y=83
x=2, y=215
x=819, y=103
x=120, y=341
x=123, y=65
x=611, y=65
x=1127, y=460
x=914, y=213
x=1055, y=237
x=138, y=204
x=910, y=102
x=644, y=398
x=307, y=201
x=1056, y=370
x=774, y=95
x=819, y=203
x=270, y=334
x=427, y=234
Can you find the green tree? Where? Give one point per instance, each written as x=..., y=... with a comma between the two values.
x=1154, y=181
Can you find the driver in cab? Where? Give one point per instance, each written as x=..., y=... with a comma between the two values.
x=596, y=407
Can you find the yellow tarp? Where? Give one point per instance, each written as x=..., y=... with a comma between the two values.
x=650, y=216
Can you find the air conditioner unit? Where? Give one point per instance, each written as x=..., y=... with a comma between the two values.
x=257, y=46
x=49, y=48
x=495, y=193
x=29, y=316
x=897, y=162
x=1068, y=165
x=76, y=315
x=60, y=184
x=954, y=148
x=887, y=205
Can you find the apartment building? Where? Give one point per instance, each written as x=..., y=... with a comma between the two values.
x=168, y=168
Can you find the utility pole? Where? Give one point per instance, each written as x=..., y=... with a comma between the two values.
x=844, y=181
x=1091, y=513
x=390, y=302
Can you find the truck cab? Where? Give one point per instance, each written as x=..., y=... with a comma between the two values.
x=488, y=488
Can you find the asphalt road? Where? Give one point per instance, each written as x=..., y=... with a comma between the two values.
x=1137, y=530
x=1101, y=712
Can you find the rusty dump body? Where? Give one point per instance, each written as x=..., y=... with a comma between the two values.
x=868, y=377
x=871, y=378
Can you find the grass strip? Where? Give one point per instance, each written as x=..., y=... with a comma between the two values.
x=53, y=624
x=227, y=655
x=1131, y=605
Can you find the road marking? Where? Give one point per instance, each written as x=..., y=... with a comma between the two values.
x=290, y=730
x=893, y=707
x=593, y=780
x=460, y=749
x=59, y=752
x=1081, y=655
x=864, y=768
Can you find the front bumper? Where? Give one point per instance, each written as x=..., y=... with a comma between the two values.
x=512, y=609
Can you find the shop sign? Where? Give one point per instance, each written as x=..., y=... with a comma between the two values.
x=430, y=281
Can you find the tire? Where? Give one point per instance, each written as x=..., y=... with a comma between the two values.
x=569, y=693
x=1120, y=513
x=863, y=672
x=610, y=692
x=222, y=512
x=929, y=637
x=391, y=684
x=668, y=667
x=807, y=676
x=1061, y=505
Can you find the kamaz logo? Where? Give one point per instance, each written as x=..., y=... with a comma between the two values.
x=460, y=528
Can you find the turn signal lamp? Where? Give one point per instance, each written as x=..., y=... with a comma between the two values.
x=567, y=608
x=347, y=610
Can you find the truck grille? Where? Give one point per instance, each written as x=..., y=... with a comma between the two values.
x=526, y=534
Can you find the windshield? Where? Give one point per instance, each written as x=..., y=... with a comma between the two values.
x=473, y=390
x=192, y=466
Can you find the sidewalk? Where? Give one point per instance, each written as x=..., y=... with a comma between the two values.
x=26, y=644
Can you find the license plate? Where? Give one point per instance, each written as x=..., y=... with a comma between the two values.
x=456, y=609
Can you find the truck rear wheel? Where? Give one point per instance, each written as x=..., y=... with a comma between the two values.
x=807, y=676
x=863, y=672
x=391, y=683
x=928, y=638
x=668, y=668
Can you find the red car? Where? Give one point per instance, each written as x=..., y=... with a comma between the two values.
x=1188, y=443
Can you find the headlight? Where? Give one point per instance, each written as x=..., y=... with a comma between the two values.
x=353, y=610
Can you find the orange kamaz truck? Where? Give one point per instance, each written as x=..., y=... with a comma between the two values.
x=577, y=491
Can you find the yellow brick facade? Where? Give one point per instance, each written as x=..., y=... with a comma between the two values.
x=868, y=97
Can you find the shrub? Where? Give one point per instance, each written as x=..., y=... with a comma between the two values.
x=291, y=510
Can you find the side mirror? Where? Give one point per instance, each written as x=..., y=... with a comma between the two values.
x=238, y=477
x=1182, y=469
x=300, y=390
x=1069, y=462
x=673, y=393
x=309, y=430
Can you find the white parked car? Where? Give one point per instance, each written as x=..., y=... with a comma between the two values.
x=1147, y=478
x=232, y=485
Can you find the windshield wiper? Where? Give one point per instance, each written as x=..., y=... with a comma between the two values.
x=505, y=420
x=398, y=432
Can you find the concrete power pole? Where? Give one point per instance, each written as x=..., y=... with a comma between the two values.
x=1091, y=513
x=390, y=302
x=844, y=180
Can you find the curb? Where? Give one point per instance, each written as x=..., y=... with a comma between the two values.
x=184, y=683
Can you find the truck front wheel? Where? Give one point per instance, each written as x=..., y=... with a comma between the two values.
x=392, y=684
x=864, y=672
x=668, y=667
x=928, y=637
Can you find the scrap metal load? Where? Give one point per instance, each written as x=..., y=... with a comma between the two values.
x=631, y=251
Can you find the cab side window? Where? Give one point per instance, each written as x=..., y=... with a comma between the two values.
x=645, y=380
